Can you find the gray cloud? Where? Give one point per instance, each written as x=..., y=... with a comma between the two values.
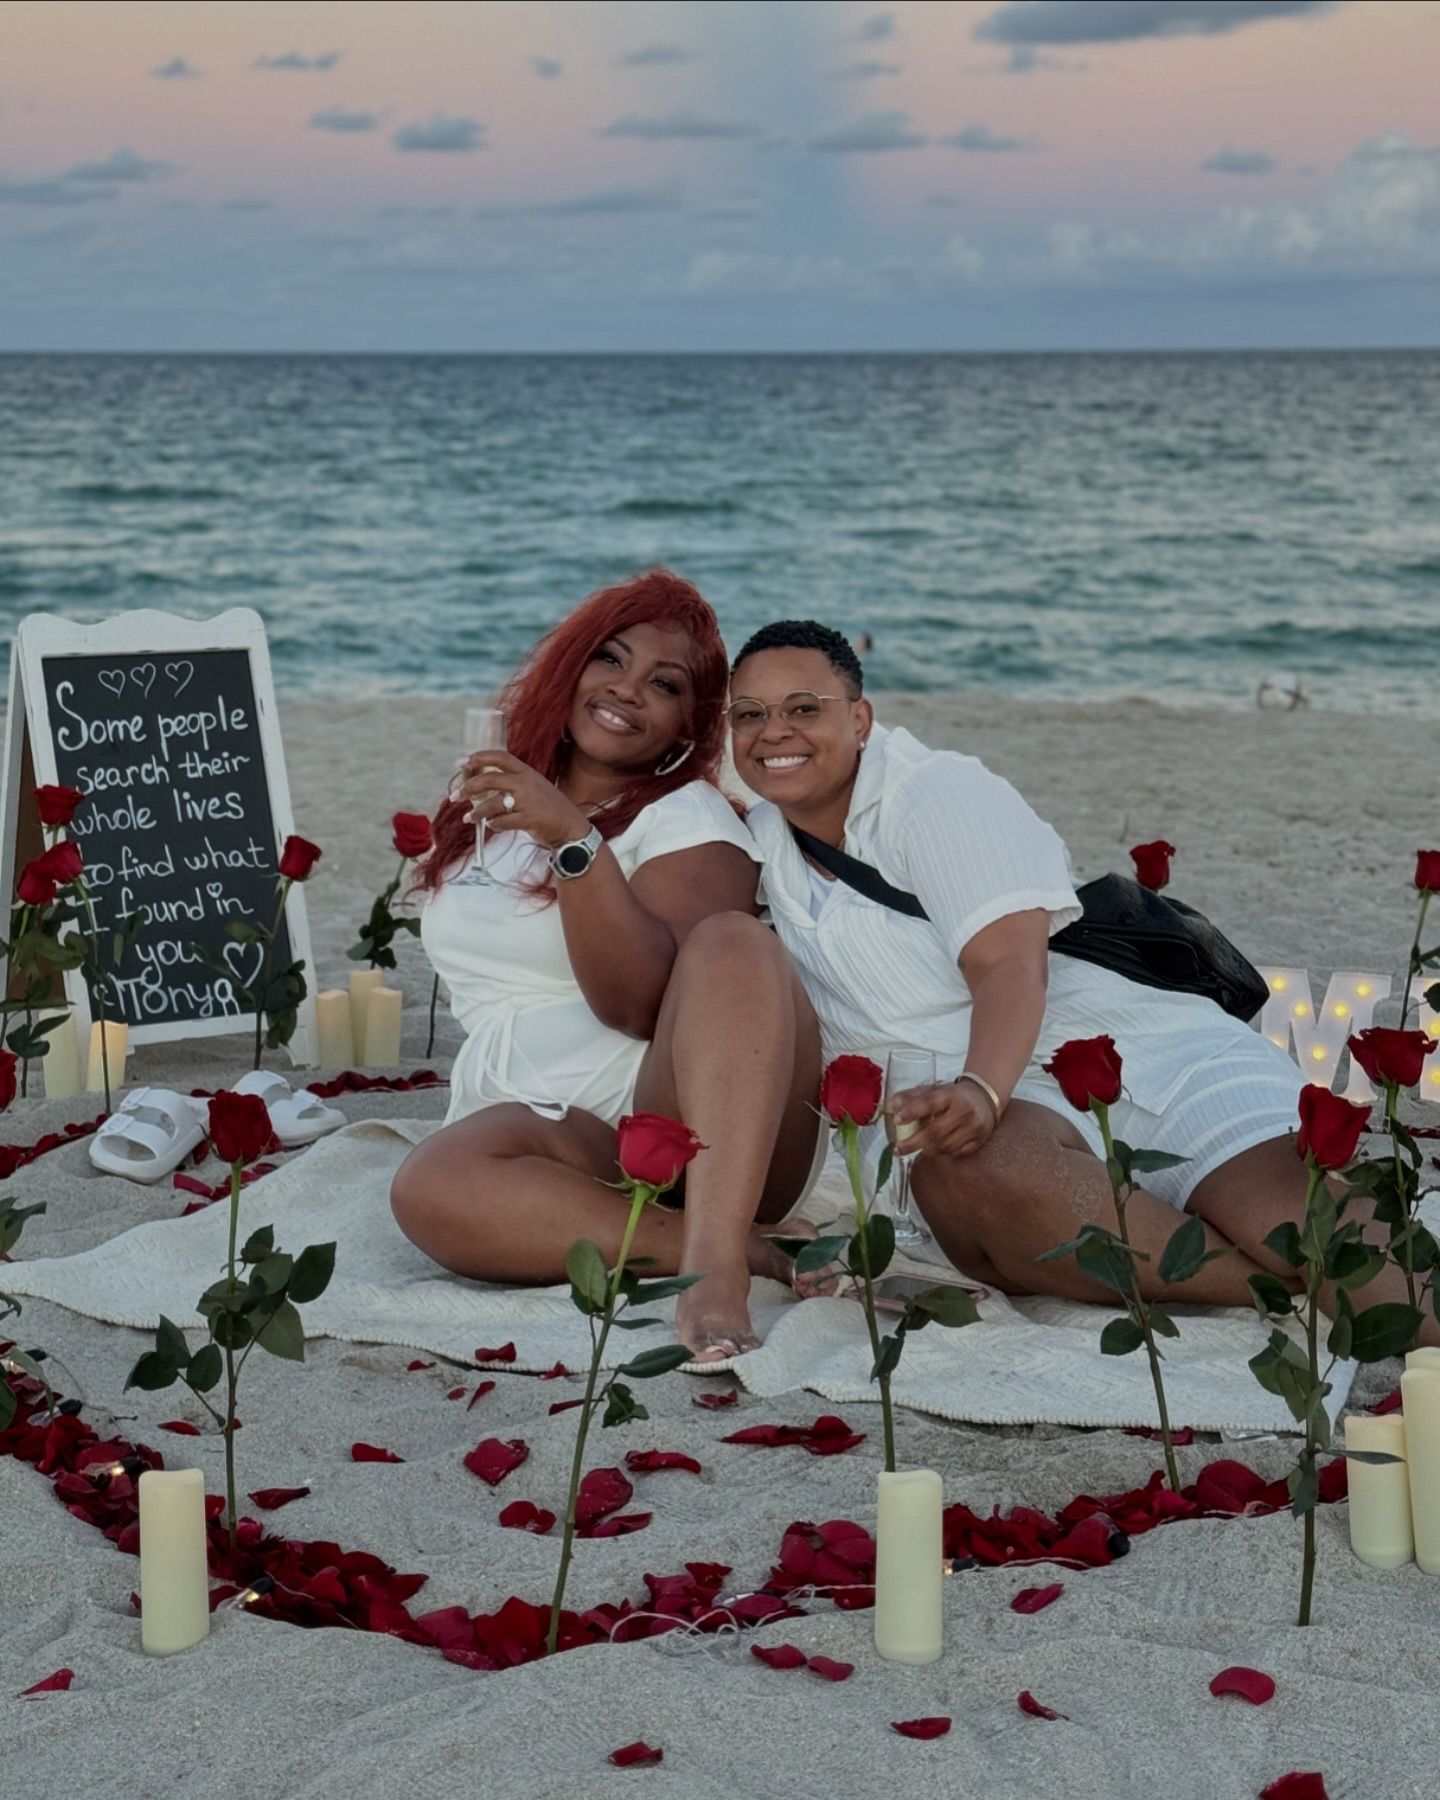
x=982, y=138
x=1032, y=22
x=340, y=118
x=946, y=202
x=248, y=206
x=121, y=165
x=293, y=59
x=871, y=132
x=177, y=69
x=652, y=56
x=48, y=190
x=676, y=125
x=441, y=133
x=546, y=67
x=865, y=70
x=656, y=197
x=1239, y=162
x=876, y=28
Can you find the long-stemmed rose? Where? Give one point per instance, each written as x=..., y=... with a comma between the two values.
x=653, y=1152
x=1327, y=1248
x=412, y=837
x=1089, y=1071
x=261, y=1309
x=1427, y=883
x=1152, y=864
x=1394, y=1060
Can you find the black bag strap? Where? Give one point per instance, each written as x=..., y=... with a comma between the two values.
x=858, y=875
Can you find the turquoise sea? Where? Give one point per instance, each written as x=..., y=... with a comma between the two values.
x=1178, y=526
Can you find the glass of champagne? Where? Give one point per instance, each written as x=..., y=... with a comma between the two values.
x=484, y=730
x=905, y=1069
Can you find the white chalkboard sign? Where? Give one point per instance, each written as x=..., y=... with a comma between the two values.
x=169, y=726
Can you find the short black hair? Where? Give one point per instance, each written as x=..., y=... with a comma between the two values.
x=807, y=634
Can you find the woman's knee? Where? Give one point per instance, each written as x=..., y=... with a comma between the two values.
x=729, y=941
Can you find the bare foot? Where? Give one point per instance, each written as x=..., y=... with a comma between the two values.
x=712, y=1319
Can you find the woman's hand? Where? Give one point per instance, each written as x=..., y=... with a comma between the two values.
x=489, y=777
x=949, y=1119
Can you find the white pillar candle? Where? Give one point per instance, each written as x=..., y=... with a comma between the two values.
x=334, y=1030
x=383, y=1011
x=62, y=1059
x=1420, y=1403
x=1380, y=1528
x=1426, y=1357
x=117, y=1039
x=174, y=1567
x=363, y=983
x=909, y=1568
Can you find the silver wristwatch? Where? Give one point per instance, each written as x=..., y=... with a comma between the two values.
x=573, y=860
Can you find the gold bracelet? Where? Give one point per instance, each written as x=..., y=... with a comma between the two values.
x=986, y=1089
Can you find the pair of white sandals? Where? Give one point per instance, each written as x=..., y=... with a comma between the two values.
x=153, y=1130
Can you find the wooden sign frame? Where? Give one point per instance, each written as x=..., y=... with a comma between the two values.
x=29, y=760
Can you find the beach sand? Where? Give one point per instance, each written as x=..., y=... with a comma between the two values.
x=1295, y=839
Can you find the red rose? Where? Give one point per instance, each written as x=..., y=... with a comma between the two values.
x=8, y=1060
x=1087, y=1069
x=412, y=834
x=1330, y=1127
x=298, y=858
x=35, y=887
x=1152, y=864
x=1427, y=871
x=654, y=1150
x=239, y=1127
x=62, y=863
x=851, y=1089
x=1388, y=1055
x=57, y=804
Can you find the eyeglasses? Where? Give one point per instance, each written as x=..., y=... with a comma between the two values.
x=800, y=709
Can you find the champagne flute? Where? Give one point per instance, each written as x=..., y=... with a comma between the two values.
x=484, y=730
x=905, y=1069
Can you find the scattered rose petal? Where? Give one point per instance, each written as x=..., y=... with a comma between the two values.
x=1033, y=1600
x=485, y=1387
x=638, y=1755
x=921, y=1728
x=830, y=1669
x=373, y=1453
x=565, y=1405
x=828, y=1436
x=505, y=1354
x=58, y=1683
x=649, y=1462
x=525, y=1515
x=601, y=1491
x=269, y=1499
x=1390, y=1404
x=1186, y=1434
x=780, y=1656
x=455, y=1393
x=714, y=1402
x=1029, y=1704
x=1297, y=1785
x=615, y=1525
x=554, y=1373
x=411, y=1367
x=1250, y=1684
x=181, y=1428
x=492, y=1459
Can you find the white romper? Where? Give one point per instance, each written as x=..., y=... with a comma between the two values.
x=530, y=1033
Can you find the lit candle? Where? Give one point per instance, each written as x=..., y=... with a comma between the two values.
x=909, y=1570
x=334, y=1031
x=1420, y=1403
x=1380, y=1530
x=62, y=1059
x=117, y=1038
x=174, y=1569
x=382, y=1028
x=363, y=983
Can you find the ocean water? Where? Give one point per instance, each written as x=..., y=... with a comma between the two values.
x=1079, y=526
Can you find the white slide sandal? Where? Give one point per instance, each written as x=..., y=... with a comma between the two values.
x=297, y=1118
x=148, y=1135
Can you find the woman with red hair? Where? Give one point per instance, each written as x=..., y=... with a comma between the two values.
x=608, y=959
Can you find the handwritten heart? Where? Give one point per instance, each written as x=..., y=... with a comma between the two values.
x=113, y=679
x=143, y=675
x=238, y=955
x=182, y=674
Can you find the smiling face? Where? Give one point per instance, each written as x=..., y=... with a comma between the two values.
x=635, y=700
x=805, y=763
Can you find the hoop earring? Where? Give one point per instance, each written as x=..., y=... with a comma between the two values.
x=669, y=768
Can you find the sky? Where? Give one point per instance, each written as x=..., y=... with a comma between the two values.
x=719, y=175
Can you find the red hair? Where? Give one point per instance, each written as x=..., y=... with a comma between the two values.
x=538, y=697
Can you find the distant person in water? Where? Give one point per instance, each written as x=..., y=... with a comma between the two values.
x=608, y=960
x=862, y=643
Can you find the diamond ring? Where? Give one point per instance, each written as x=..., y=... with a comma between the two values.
x=508, y=803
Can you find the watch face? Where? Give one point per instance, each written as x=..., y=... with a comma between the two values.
x=573, y=859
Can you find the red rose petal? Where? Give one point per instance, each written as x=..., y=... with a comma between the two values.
x=715, y=1402
x=1029, y=1704
x=602, y=1491
x=638, y=1755
x=181, y=1428
x=493, y=1459
x=505, y=1354
x=455, y=1393
x=649, y=1462
x=1390, y=1404
x=1297, y=1785
x=831, y=1670
x=58, y=1683
x=1185, y=1435
x=921, y=1728
x=485, y=1387
x=410, y=1367
x=373, y=1453
x=525, y=1515
x=565, y=1405
x=269, y=1499
x=782, y=1656
x=1250, y=1684
x=554, y=1373
x=1033, y=1600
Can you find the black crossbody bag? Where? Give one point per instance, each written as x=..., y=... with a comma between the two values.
x=1125, y=927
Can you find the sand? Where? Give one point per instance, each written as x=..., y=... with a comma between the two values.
x=1289, y=837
